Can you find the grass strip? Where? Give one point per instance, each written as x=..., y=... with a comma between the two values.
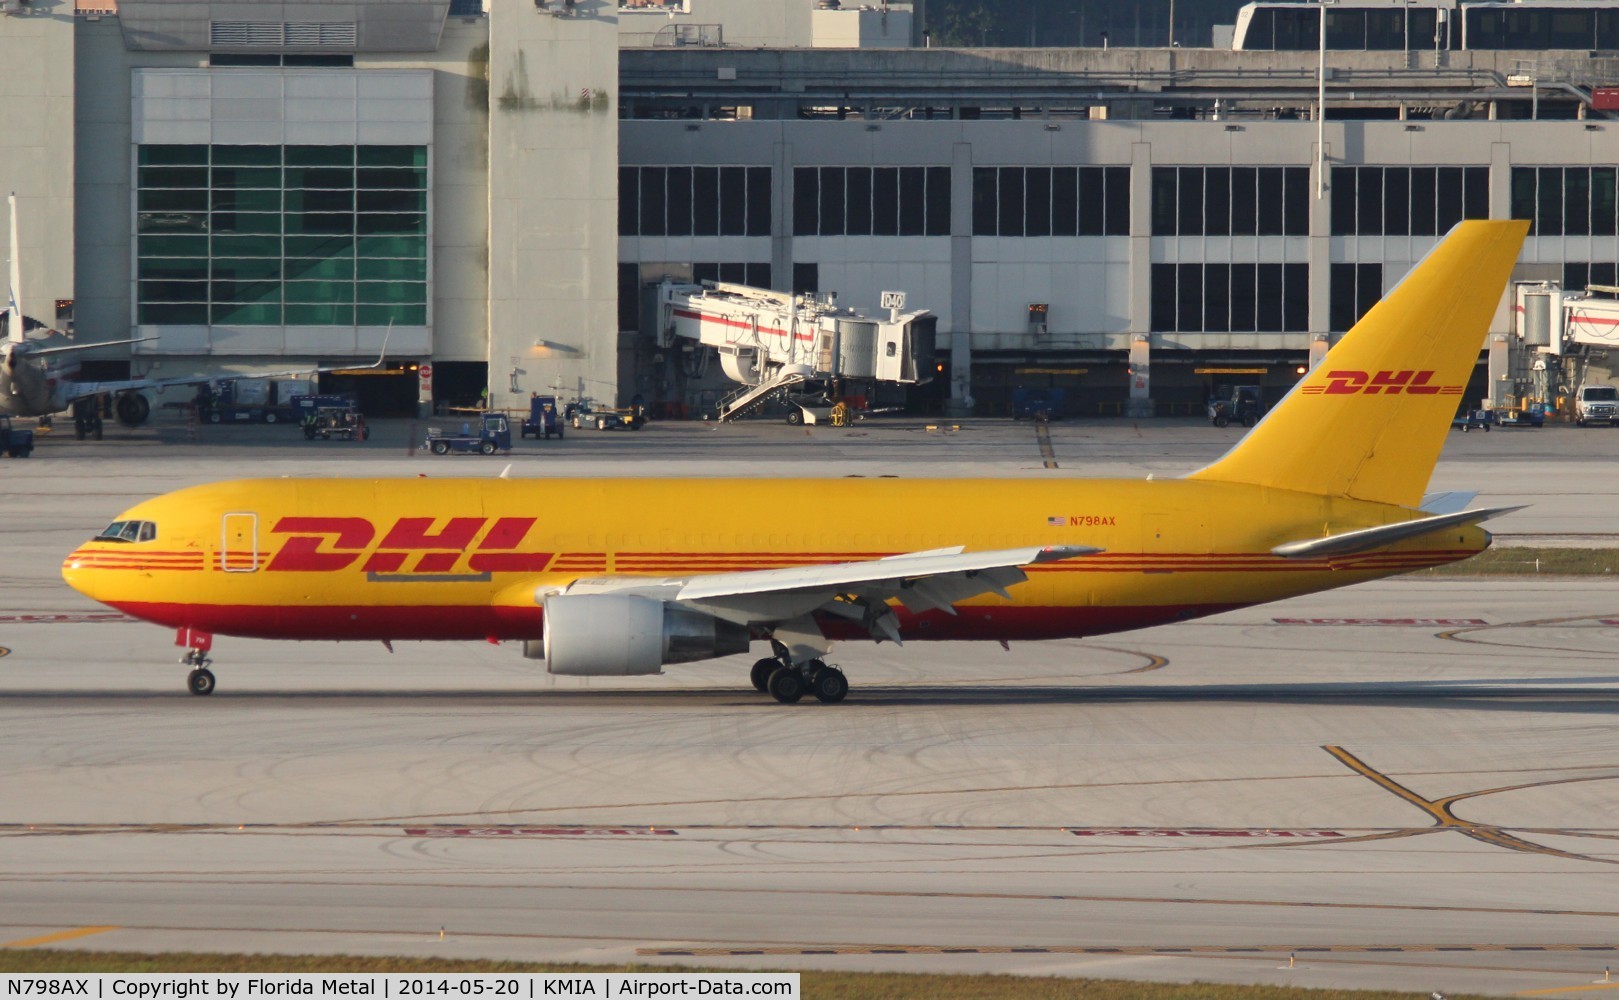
x=1533, y=560
x=814, y=985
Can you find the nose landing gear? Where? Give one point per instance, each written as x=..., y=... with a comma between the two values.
x=200, y=681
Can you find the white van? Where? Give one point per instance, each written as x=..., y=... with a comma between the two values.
x=1596, y=404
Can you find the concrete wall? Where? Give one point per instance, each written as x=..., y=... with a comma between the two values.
x=36, y=149
x=459, y=266
x=553, y=201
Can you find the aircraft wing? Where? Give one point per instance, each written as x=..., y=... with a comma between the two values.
x=81, y=390
x=858, y=591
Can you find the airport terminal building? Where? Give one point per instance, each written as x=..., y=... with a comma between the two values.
x=492, y=186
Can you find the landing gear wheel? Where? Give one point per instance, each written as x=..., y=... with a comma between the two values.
x=786, y=685
x=761, y=674
x=200, y=681
x=830, y=685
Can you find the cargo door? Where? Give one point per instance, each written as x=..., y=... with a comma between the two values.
x=239, y=543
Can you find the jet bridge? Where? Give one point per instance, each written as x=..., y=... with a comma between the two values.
x=778, y=344
x=1555, y=333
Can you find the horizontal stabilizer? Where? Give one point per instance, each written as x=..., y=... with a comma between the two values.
x=1375, y=538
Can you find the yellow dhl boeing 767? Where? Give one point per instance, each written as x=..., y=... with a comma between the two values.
x=634, y=574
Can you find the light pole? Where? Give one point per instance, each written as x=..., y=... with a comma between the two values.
x=1321, y=108
x=1171, y=23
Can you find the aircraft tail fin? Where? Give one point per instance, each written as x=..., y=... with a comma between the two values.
x=14, y=313
x=1370, y=420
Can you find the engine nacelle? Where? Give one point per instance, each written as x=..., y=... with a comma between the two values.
x=614, y=635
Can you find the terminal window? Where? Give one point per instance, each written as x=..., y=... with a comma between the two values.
x=281, y=235
x=871, y=201
x=1355, y=289
x=1407, y=201
x=694, y=201
x=1577, y=275
x=1051, y=201
x=1566, y=201
x=1230, y=298
x=1231, y=201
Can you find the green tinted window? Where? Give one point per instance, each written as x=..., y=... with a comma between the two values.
x=247, y=201
x=320, y=291
x=397, y=223
x=247, y=177
x=171, y=222
x=330, y=269
x=160, y=155
x=332, y=223
x=173, y=291
x=194, y=269
x=173, y=246
x=187, y=315
x=393, y=270
x=374, y=179
x=328, y=178
x=296, y=234
x=247, y=156
x=175, y=200
x=247, y=315
x=383, y=315
x=390, y=291
x=393, y=246
x=246, y=292
x=320, y=156
x=319, y=315
x=247, y=269
x=391, y=201
x=172, y=177
x=393, y=156
x=320, y=246
x=246, y=222
x=247, y=246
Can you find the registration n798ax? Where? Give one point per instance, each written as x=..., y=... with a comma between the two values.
x=635, y=574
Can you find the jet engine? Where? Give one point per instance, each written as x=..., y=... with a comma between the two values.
x=617, y=635
x=132, y=409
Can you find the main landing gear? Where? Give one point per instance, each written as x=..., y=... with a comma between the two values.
x=789, y=682
x=201, y=680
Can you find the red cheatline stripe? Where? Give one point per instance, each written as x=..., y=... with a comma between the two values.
x=722, y=321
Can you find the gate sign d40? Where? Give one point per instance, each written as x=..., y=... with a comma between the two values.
x=893, y=300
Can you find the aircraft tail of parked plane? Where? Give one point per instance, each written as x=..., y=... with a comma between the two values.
x=632, y=575
x=1370, y=421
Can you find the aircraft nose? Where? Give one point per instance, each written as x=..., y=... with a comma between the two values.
x=76, y=571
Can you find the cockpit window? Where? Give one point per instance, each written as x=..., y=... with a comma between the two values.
x=128, y=531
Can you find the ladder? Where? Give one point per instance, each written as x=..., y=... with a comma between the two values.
x=751, y=396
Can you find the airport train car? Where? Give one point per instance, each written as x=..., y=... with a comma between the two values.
x=1425, y=25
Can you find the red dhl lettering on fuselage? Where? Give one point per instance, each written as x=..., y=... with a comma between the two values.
x=1387, y=383
x=331, y=544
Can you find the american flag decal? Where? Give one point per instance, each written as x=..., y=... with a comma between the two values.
x=1057, y=522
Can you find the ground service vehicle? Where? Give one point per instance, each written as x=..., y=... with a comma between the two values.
x=1236, y=404
x=342, y=421
x=607, y=418
x=18, y=442
x=1038, y=404
x=1596, y=404
x=543, y=418
x=629, y=575
x=494, y=434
